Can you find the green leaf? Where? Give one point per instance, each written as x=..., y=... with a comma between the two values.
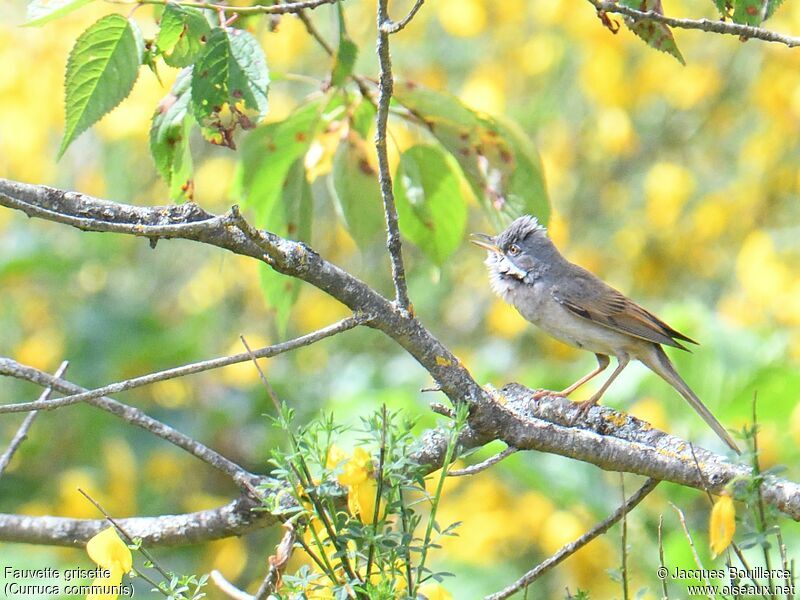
x=753, y=12
x=290, y=217
x=344, y=61
x=656, y=35
x=182, y=35
x=363, y=118
x=267, y=155
x=229, y=85
x=354, y=186
x=430, y=206
x=44, y=11
x=494, y=162
x=102, y=68
x=169, y=138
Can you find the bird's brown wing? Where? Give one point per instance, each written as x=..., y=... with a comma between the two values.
x=587, y=296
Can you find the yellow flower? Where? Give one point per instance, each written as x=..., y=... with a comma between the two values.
x=361, y=500
x=335, y=457
x=434, y=591
x=109, y=552
x=357, y=469
x=722, y=524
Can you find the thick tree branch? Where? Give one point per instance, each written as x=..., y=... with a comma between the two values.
x=721, y=27
x=261, y=9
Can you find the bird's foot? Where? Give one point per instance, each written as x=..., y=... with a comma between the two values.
x=539, y=394
x=584, y=406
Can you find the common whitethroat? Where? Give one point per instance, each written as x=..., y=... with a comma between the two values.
x=574, y=306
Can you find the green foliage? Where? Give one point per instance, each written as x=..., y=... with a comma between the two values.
x=490, y=162
x=101, y=71
x=169, y=138
x=229, y=85
x=430, y=208
x=344, y=61
x=656, y=35
x=747, y=12
x=354, y=184
x=382, y=554
x=182, y=36
x=44, y=11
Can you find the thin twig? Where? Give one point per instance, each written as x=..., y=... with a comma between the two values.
x=385, y=90
x=762, y=518
x=129, y=540
x=277, y=562
x=662, y=569
x=270, y=9
x=573, y=547
x=481, y=466
x=133, y=415
x=721, y=27
x=314, y=32
x=696, y=556
x=624, y=541
x=270, y=390
x=376, y=511
x=190, y=369
x=227, y=588
x=22, y=432
x=393, y=27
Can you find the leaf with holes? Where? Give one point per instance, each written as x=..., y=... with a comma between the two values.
x=430, y=206
x=354, y=186
x=229, y=85
x=656, y=35
x=488, y=159
x=101, y=70
x=169, y=138
x=182, y=35
x=289, y=217
x=44, y=11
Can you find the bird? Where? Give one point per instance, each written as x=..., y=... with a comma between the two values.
x=576, y=307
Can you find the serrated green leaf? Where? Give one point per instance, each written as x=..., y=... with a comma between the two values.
x=479, y=144
x=753, y=12
x=656, y=35
x=724, y=7
x=354, y=186
x=290, y=217
x=229, y=85
x=169, y=138
x=182, y=35
x=344, y=61
x=430, y=207
x=102, y=68
x=44, y=11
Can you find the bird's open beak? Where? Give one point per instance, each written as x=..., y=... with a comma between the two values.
x=484, y=241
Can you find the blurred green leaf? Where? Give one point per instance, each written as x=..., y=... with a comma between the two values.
x=430, y=207
x=169, y=138
x=753, y=12
x=44, y=11
x=268, y=153
x=487, y=158
x=102, y=68
x=229, y=85
x=182, y=35
x=344, y=60
x=290, y=217
x=354, y=184
x=363, y=118
x=656, y=35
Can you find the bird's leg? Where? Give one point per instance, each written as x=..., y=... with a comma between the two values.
x=602, y=364
x=587, y=404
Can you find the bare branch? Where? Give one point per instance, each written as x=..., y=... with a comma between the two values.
x=482, y=466
x=133, y=416
x=385, y=90
x=390, y=26
x=22, y=432
x=190, y=369
x=573, y=547
x=721, y=27
x=227, y=588
x=269, y=9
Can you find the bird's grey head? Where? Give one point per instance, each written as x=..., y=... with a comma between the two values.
x=519, y=254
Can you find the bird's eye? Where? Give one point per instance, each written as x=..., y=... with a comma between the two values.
x=513, y=250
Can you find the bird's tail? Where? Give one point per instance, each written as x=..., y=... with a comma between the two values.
x=658, y=362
